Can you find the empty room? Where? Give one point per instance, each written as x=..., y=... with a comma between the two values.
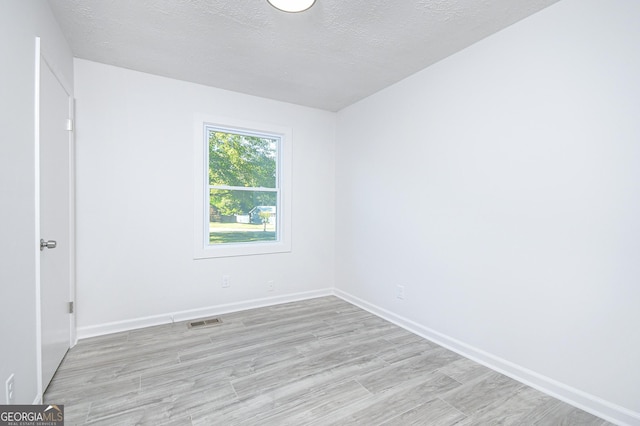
x=269, y=212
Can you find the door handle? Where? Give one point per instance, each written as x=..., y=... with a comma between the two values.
x=51, y=244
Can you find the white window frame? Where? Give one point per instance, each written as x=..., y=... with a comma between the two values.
x=202, y=248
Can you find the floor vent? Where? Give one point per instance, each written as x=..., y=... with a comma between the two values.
x=207, y=322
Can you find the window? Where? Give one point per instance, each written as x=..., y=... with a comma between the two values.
x=242, y=189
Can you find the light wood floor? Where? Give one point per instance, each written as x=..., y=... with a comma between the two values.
x=316, y=362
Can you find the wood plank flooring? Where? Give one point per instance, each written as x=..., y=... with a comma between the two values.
x=315, y=362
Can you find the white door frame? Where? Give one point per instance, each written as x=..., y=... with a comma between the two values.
x=41, y=60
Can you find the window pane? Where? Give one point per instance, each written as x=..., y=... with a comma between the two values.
x=242, y=160
x=237, y=216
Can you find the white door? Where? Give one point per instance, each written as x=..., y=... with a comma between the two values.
x=55, y=222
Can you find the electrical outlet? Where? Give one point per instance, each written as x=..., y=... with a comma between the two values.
x=270, y=285
x=226, y=281
x=400, y=291
x=10, y=389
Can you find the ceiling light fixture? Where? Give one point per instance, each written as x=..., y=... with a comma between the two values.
x=292, y=5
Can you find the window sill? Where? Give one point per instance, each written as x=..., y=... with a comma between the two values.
x=248, y=249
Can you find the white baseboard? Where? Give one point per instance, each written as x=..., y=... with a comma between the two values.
x=169, y=317
x=587, y=402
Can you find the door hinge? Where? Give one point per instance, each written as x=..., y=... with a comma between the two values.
x=70, y=307
x=69, y=124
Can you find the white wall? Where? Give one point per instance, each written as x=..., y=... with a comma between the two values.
x=20, y=22
x=135, y=202
x=501, y=187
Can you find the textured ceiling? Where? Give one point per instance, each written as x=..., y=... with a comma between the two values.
x=328, y=57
